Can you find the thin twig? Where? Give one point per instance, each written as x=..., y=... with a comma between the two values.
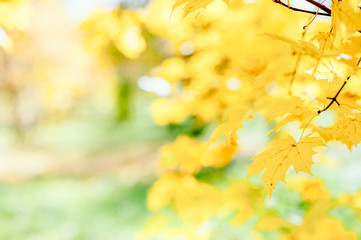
x=314, y=17
x=293, y=76
x=334, y=99
x=303, y=10
x=320, y=6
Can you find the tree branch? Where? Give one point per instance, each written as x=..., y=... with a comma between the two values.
x=328, y=13
x=320, y=6
x=334, y=99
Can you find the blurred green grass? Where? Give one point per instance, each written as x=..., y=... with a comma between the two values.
x=68, y=208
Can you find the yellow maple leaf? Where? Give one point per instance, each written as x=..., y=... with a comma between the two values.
x=193, y=200
x=188, y=155
x=230, y=128
x=348, y=130
x=299, y=46
x=302, y=116
x=281, y=107
x=286, y=110
x=352, y=46
x=330, y=69
x=280, y=155
x=347, y=13
x=193, y=5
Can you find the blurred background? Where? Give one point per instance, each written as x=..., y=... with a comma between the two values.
x=79, y=146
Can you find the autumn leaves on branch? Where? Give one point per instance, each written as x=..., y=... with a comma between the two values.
x=286, y=90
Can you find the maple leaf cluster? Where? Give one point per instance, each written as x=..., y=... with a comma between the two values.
x=321, y=74
x=230, y=61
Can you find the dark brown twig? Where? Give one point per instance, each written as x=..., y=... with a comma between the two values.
x=324, y=8
x=334, y=99
x=320, y=6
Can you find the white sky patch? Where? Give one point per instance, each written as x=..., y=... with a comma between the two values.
x=310, y=71
x=307, y=6
x=157, y=85
x=234, y=84
x=295, y=219
x=186, y=48
x=79, y=10
x=344, y=56
x=326, y=119
x=3, y=37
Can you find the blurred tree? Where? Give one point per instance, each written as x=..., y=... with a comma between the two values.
x=122, y=43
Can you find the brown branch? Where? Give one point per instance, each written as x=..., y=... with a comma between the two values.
x=303, y=10
x=320, y=6
x=334, y=99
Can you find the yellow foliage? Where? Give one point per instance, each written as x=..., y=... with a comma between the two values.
x=218, y=72
x=229, y=129
x=193, y=5
x=312, y=190
x=317, y=225
x=15, y=14
x=348, y=130
x=330, y=69
x=120, y=28
x=188, y=155
x=284, y=153
x=191, y=199
x=225, y=64
x=325, y=229
x=244, y=198
x=165, y=111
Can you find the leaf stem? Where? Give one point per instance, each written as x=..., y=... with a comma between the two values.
x=294, y=74
x=345, y=104
x=308, y=123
